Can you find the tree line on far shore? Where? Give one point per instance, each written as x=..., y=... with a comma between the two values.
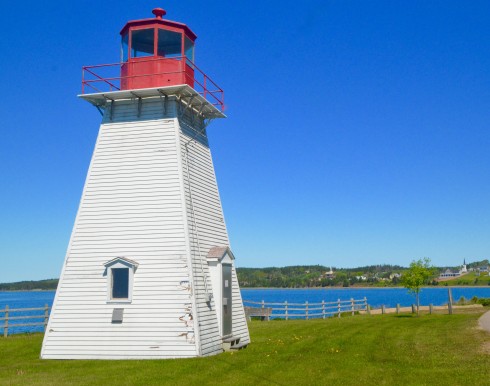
x=298, y=276
x=44, y=285
x=305, y=276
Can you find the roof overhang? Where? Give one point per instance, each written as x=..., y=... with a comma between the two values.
x=218, y=253
x=154, y=22
x=185, y=93
x=122, y=260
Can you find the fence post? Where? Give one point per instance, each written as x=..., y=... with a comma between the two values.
x=383, y=309
x=46, y=316
x=286, y=309
x=450, y=301
x=352, y=305
x=6, y=323
x=323, y=309
x=430, y=308
x=338, y=307
x=365, y=303
x=368, y=309
x=397, y=308
x=306, y=310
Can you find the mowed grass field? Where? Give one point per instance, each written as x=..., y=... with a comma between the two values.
x=358, y=350
x=469, y=279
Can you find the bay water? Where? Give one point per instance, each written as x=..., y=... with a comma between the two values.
x=376, y=297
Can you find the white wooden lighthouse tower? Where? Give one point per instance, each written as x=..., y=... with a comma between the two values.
x=149, y=272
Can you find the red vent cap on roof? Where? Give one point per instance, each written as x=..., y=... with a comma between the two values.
x=159, y=12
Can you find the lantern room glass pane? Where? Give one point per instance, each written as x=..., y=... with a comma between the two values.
x=142, y=43
x=120, y=283
x=169, y=44
x=189, y=49
x=124, y=48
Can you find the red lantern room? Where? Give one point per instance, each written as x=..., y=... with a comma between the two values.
x=156, y=53
x=157, y=58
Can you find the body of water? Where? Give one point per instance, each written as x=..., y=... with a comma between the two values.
x=376, y=297
x=27, y=299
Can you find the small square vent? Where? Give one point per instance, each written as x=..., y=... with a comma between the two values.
x=117, y=315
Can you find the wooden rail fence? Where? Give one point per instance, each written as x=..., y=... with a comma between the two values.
x=7, y=317
x=304, y=310
x=412, y=309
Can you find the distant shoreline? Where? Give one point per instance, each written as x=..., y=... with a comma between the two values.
x=305, y=288
x=366, y=287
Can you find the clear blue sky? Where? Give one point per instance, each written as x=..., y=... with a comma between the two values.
x=357, y=131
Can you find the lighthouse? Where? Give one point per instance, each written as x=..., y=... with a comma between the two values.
x=149, y=272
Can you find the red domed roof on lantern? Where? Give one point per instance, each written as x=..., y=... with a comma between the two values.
x=158, y=21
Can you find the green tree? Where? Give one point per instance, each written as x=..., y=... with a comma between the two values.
x=418, y=274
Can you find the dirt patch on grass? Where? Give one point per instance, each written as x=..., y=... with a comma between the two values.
x=486, y=348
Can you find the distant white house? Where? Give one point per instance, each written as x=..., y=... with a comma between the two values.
x=449, y=273
x=329, y=274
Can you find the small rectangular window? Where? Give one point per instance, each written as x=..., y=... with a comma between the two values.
x=142, y=43
x=189, y=49
x=120, y=283
x=124, y=48
x=169, y=44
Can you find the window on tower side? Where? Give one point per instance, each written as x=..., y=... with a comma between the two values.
x=120, y=283
x=120, y=274
x=189, y=49
x=124, y=48
x=142, y=43
x=169, y=44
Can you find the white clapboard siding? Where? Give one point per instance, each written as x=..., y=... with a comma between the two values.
x=136, y=203
x=132, y=206
x=205, y=212
x=239, y=321
x=208, y=328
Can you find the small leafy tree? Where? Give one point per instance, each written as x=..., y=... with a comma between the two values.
x=418, y=274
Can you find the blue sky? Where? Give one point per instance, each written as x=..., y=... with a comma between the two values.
x=357, y=131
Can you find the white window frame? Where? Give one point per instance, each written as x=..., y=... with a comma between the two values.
x=120, y=262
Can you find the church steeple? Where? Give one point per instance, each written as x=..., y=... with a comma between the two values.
x=463, y=268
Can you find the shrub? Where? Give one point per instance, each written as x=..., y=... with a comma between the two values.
x=462, y=300
x=484, y=301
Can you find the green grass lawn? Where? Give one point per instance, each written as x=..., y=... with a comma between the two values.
x=359, y=350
